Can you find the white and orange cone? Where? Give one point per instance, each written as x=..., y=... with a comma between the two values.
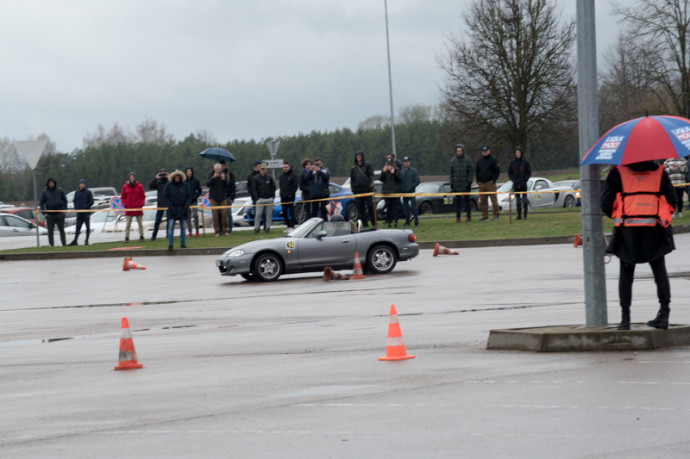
x=395, y=348
x=128, y=356
x=129, y=264
x=577, y=240
x=440, y=250
x=329, y=274
x=357, y=273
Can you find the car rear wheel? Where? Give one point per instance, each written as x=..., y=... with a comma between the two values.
x=381, y=259
x=569, y=201
x=268, y=267
x=426, y=208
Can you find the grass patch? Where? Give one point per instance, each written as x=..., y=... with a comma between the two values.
x=542, y=223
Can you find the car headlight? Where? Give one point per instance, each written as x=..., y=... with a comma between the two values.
x=235, y=253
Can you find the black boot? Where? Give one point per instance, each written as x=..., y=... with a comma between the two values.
x=661, y=319
x=519, y=209
x=524, y=211
x=625, y=319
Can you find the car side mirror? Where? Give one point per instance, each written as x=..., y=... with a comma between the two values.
x=31, y=225
x=321, y=234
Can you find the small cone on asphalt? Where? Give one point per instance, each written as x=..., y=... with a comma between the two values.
x=577, y=240
x=440, y=250
x=329, y=274
x=395, y=348
x=357, y=273
x=128, y=356
x=129, y=264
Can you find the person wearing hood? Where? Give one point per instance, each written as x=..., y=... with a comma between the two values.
x=83, y=200
x=133, y=197
x=519, y=172
x=177, y=198
x=54, y=202
x=390, y=178
x=194, y=191
x=638, y=235
x=158, y=184
x=461, y=175
x=362, y=182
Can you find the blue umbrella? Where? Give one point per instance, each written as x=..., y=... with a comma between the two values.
x=217, y=154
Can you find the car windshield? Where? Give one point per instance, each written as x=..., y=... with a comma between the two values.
x=506, y=187
x=304, y=229
x=426, y=188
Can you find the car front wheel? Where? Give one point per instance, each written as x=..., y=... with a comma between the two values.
x=427, y=208
x=381, y=259
x=268, y=267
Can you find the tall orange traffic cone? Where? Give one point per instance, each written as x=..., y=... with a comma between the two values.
x=329, y=274
x=357, y=273
x=440, y=250
x=129, y=264
x=577, y=240
x=395, y=349
x=128, y=356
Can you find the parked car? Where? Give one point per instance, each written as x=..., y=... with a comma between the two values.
x=543, y=194
x=441, y=202
x=316, y=244
x=12, y=225
x=573, y=184
x=148, y=221
x=27, y=213
x=101, y=195
x=346, y=206
x=239, y=208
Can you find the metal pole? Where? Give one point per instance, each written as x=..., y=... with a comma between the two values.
x=390, y=80
x=593, y=243
x=38, y=241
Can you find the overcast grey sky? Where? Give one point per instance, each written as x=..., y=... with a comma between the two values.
x=238, y=69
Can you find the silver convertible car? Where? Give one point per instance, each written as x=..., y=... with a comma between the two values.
x=316, y=244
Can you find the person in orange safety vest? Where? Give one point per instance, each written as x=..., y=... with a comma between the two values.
x=640, y=198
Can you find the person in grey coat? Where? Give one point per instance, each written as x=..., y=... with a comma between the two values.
x=461, y=175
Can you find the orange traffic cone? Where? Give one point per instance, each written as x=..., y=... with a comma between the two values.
x=577, y=240
x=329, y=274
x=440, y=250
x=128, y=356
x=129, y=264
x=395, y=349
x=357, y=273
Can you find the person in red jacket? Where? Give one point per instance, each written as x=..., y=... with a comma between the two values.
x=133, y=196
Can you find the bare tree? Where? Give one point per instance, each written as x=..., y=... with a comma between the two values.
x=116, y=135
x=663, y=26
x=511, y=75
x=376, y=122
x=150, y=132
x=415, y=113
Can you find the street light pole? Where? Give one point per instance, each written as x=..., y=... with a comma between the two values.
x=390, y=80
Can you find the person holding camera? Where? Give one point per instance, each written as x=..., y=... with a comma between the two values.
x=390, y=177
x=318, y=179
x=158, y=183
x=218, y=184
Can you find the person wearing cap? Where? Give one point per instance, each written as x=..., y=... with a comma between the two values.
x=54, y=201
x=461, y=176
x=133, y=197
x=362, y=182
x=519, y=172
x=390, y=178
x=487, y=174
x=158, y=183
x=263, y=192
x=409, y=180
x=83, y=200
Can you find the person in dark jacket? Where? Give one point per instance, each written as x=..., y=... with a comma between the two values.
x=263, y=194
x=461, y=176
x=158, y=183
x=230, y=198
x=250, y=179
x=304, y=209
x=177, y=199
x=218, y=184
x=519, y=172
x=194, y=191
x=487, y=174
x=640, y=244
x=390, y=177
x=288, y=191
x=83, y=200
x=318, y=181
x=409, y=180
x=54, y=201
x=362, y=182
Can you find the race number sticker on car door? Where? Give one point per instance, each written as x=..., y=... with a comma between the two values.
x=290, y=245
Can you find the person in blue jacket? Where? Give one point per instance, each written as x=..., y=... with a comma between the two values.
x=83, y=200
x=177, y=198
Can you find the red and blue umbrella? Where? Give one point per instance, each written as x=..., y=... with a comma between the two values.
x=642, y=139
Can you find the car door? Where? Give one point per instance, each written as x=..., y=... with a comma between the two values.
x=14, y=226
x=541, y=199
x=448, y=203
x=331, y=250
